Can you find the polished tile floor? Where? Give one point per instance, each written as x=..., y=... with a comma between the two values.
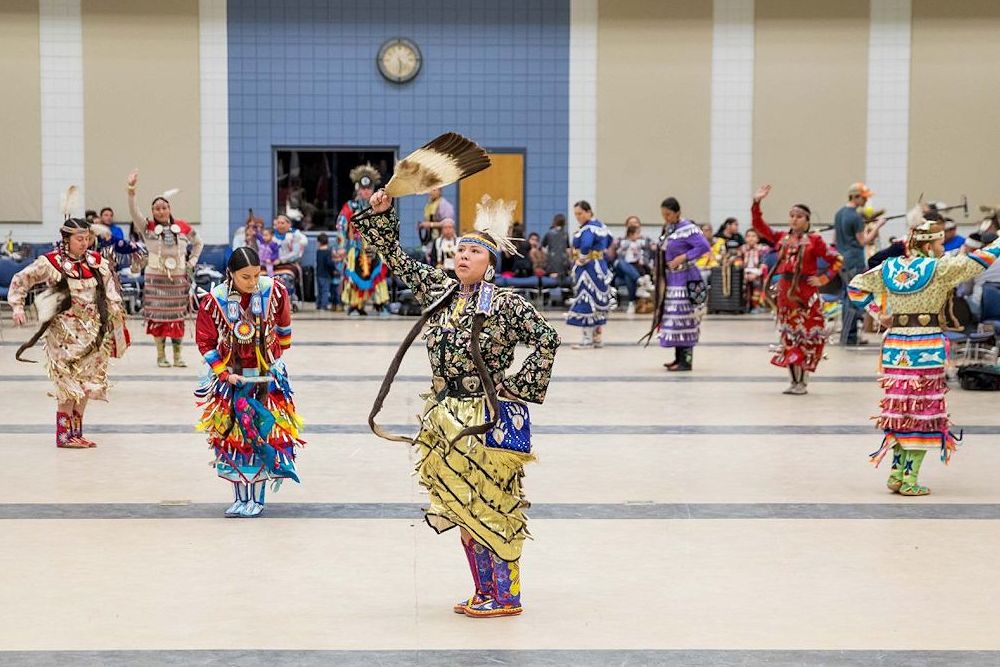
x=703, y=519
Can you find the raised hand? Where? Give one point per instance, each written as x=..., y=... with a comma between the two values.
x=762, y=192
x=133, y=178
x=380, y=202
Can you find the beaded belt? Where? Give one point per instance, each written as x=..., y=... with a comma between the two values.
x=916, y=320
x=464, y=386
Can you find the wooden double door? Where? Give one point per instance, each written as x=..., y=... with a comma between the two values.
x=503, y=180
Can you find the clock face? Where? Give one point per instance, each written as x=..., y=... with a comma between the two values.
x=399, y=60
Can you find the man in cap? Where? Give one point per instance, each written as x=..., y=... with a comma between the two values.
x=953, y=241
x=851, y=239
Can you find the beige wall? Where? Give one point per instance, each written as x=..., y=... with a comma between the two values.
x=810, y=102
x=141, y=101
x=955, y=102
x=20, y=113
x=653, y=96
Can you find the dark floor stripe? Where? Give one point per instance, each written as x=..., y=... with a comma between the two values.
x=557, y=378
x=504, y=657
x=548, y=511
x=537, y=429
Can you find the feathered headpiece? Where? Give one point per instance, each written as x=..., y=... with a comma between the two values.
x=166, y=195
x=69, y=201
x=365, y=176
x=293, y=214
x=68, y=205
x=492, y=226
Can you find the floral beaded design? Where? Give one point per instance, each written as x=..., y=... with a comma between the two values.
x=449, y=333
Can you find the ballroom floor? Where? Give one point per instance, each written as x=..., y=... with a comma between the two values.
x=696, y=519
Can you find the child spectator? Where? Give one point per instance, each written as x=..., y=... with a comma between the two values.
x=267, y=249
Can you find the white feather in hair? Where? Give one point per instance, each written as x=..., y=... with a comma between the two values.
x=69, y=201
x=292, y=214
x=915, y=217
x=494, y=217
x=167, y=194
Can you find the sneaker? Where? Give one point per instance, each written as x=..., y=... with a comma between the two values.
x=235, y=510
x=251, y=509
x=797, y=389
x=631, y=308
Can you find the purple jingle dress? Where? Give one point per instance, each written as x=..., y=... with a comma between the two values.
x=679, y=326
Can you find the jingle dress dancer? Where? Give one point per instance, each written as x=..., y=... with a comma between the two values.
x=243, y=327
x=77, y=313
x=166, y=291
x=800, y=309
x=907, y=294
x=470, y=462
x=591, y=277
x=365, y=276
x=681, y=245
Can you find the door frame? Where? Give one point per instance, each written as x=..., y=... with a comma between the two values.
x=524, y=180
x=319, y=148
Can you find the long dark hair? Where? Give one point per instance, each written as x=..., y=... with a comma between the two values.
x=241, y=259
x=65, y=301
x=489, y=388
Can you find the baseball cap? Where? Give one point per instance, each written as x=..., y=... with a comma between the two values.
x=859, y=189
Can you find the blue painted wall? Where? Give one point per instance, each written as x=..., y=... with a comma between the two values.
x=303, y=72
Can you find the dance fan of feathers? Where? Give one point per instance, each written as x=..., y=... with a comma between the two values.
x=445, y=160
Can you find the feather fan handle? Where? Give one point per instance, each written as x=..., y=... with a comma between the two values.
x=443, y=161
x=69, y=201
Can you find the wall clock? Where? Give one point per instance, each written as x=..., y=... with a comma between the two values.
x=399, y=60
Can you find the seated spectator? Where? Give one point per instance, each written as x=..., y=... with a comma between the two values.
x=245, y=236
x=633, y=254
x=539, y=258
x=443, y=248
x=517, y=265
x=755, y=271
x=710, y=259
x=730, y=237
x=953, y=241
x=291, y=247
x=973, y=290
